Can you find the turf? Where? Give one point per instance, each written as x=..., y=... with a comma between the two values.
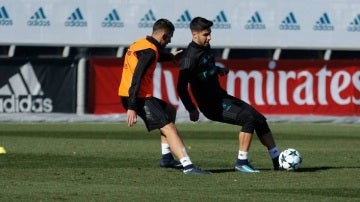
x=111, y=162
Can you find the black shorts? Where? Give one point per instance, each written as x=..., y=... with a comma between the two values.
x=235, y=111
x=153, y=111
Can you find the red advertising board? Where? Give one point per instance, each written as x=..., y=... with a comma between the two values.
x=284, y=87
x=103, y=81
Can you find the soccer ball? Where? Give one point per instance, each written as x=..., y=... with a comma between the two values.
x=290, y=159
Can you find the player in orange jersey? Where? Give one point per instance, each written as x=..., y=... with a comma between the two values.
x=136, y=88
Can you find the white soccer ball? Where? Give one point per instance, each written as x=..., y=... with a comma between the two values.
x=290, y=159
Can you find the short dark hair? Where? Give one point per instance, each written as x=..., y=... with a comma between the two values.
x=163, y=24
x=200, y=23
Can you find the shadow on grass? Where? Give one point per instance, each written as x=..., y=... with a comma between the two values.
x=322, y=168
x=315, y=169
x=301, y=170
x=221, y=170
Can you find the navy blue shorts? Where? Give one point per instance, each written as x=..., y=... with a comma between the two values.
x=235, y=111
x=154, y=112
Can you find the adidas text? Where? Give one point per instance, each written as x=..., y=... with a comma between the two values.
x=38, y=23
x=182, y=25
x=25, y=103
x=112, y=24
x=323, y=28
x=6, y=22
x=222, y=26
x=75, y=23
x=354, y=29
x=145, y=24
x=289, y=27
x=255, y=26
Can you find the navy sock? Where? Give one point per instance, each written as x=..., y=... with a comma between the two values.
x=276, y=163
x=189, y=166
x=167, y=156
x=242, y=162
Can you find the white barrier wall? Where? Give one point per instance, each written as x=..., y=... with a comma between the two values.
x=247, y=23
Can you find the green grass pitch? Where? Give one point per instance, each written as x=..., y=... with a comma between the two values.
x=111, y=162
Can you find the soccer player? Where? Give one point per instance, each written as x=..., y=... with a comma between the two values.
x=199, y=70
x=136, y=89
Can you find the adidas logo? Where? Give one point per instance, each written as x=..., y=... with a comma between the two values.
x=323, y=24
x=148, y=20
x=184, y=20
x=221, y=22
x=5, y=18
x=112, y=20
x=255, y=22
x=289, y=23
x=354, y=25
x=23, y=93
x=76, y=19
x=38, y=19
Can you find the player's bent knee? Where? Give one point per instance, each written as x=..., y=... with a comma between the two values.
x=261, y=126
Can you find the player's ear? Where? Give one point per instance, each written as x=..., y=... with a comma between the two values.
x=194, y=34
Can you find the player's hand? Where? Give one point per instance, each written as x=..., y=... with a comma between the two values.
x=194, y=115
x=222, y=71
x=131, y=117
x=177, y=54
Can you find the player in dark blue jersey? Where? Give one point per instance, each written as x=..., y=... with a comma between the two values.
x=199, y=70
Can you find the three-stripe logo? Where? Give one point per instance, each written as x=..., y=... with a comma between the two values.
x=23, y=93
x=112, y=20
x=255, y=22
x=148, y=20
x=76, y=19
x=289, y=23
x=324, y=23
x=184, y=20
x=221, y=21
x=4, y=17
x=355, y=24
x=38, y=19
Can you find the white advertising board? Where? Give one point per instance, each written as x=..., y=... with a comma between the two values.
x=308, y=24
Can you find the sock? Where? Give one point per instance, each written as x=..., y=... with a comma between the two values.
x=243, y=155
x=274, y=152
x=242, y=158
x=167, y=157
x=185, y=161
x=165, y=148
